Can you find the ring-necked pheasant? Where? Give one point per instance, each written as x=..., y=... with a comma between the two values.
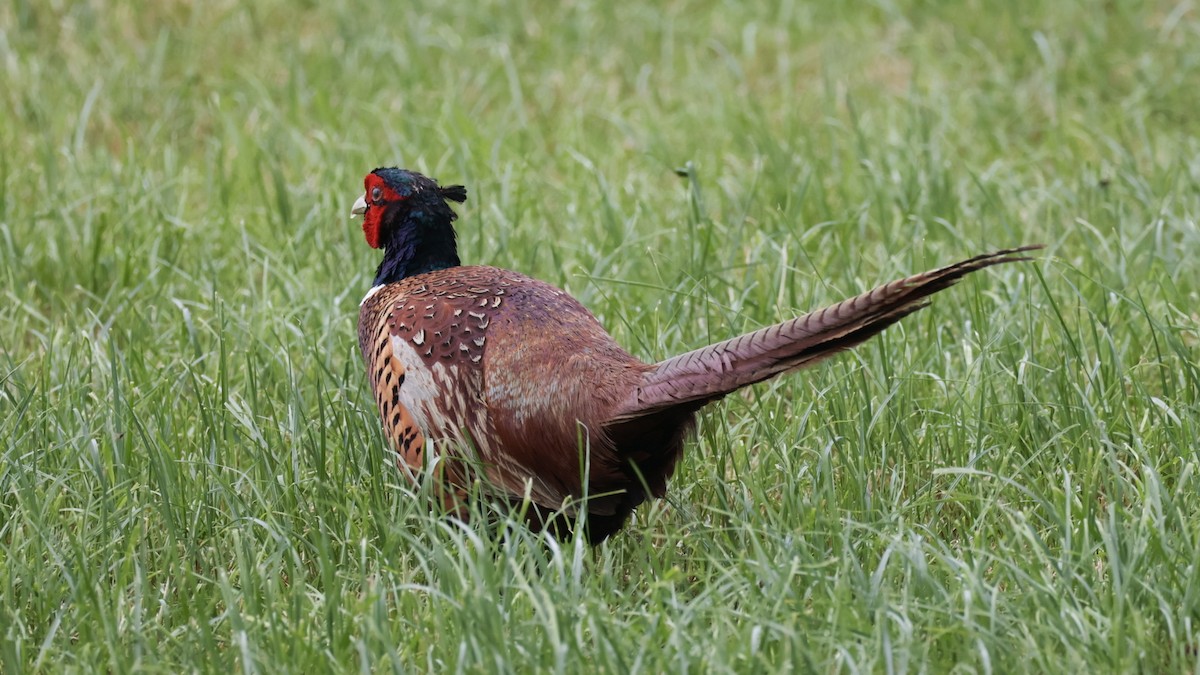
x=512, y=381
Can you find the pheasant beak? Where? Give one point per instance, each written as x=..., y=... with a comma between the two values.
x=360, y=206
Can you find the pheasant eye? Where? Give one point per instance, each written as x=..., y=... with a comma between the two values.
x=376, y=194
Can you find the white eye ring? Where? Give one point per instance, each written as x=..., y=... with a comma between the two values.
x=376, y=194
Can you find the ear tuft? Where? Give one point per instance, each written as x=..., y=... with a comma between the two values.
x=457, y=193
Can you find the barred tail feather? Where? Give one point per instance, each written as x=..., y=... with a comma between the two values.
x=692, y=379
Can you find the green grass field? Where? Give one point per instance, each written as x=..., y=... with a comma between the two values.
x=192, y=475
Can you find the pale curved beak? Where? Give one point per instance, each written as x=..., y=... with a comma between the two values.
x=360, y=206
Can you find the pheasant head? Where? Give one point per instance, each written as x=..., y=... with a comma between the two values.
x=407, y=215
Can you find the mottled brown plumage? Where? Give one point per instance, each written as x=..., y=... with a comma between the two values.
x=511, y=381
x=507, y=374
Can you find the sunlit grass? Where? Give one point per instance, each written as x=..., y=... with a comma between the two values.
x=191, y=472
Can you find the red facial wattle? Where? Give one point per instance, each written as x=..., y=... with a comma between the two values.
x=378, y=197
x=372, y=223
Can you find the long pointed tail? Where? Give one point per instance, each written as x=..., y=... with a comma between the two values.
x=711, y=372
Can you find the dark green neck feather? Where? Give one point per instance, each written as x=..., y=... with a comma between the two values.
x=423, y=241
